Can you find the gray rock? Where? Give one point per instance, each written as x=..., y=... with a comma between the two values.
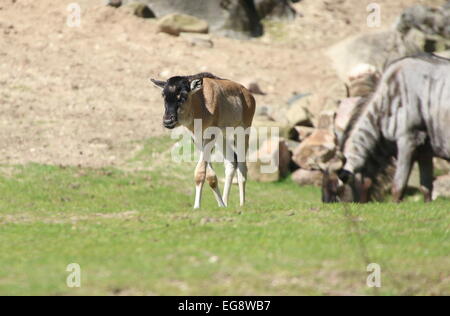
x=114, y=3
x=428, y=20
x=298, y=113
x=252, y=85
x=427, y=27
x=375, y=49
x=176, y=23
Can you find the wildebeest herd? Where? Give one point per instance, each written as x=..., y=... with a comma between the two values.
x=406, y=119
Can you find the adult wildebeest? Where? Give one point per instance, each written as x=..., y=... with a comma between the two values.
x=408, y=117
x=217, y=103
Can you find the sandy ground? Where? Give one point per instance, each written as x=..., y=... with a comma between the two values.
x=81, y=96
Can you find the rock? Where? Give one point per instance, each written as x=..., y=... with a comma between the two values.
x=300, y=133
x=445, y=54
x=316, y=151
x=363, y=80
x=326, y=120
x=263, y=111
x=176, y=23
x=298, y=113
x=441, y=166
x=139, y=9
x=114, y=3
x=275, y=9
x=375, y=49
x=270, y=162
x=233, y=18
x=426, y=27
x=430, y=21
x=199, y=40
x=442, y=187
x=427, y=43
x=263, y=122
x=252, y=85
x=292, y=146
x=279, y=115
x=308, y=177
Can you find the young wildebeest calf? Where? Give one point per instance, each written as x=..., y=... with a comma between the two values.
x=409, y=115
x=217, y=103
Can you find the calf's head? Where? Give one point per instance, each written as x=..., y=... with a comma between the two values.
x=175, y=92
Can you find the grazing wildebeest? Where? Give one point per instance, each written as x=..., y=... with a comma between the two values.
x=371, y=183
x=408, y=116
x=218, y=103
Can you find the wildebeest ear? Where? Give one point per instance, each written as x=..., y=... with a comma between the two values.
x=158, y=83
x=196, y=84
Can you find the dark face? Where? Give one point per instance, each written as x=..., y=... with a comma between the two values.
x=335, y=188
x=343, y=186
x=175, y=94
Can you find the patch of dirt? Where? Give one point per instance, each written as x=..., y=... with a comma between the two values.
x=81, y=96
x=25, y=218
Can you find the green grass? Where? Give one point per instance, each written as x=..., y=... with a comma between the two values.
x=134, y=232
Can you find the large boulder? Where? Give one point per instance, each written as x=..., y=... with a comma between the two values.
x=426, y=27
x=308, y=177
x=315, y=152
x=363, y=80
x=442, y=187
x=234, y=18
x=300, y=133
x=431, y=21
x=176, y=23
x=376, y=49
x=298, y=113
x=427, y=43
x=271, y=162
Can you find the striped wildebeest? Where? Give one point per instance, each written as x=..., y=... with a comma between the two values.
x=218, y=104
x=371, y=183
x=408, y=116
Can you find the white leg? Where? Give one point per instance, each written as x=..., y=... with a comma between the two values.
x=230, y=169
x=242, y=178
x=200, y=176
x=242, y=168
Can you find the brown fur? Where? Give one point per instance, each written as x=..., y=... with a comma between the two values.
x=215, y=105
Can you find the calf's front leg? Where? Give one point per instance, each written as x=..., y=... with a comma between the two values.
x=200, y=176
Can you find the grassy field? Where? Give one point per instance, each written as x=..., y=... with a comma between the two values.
x=134, y=233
